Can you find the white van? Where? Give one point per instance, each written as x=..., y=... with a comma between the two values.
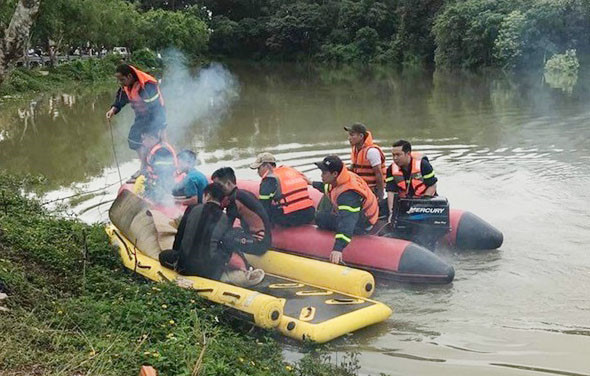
x=121, y=51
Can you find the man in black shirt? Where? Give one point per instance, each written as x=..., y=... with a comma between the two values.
x=254, y=236
x=410, y=174
x=197, y=246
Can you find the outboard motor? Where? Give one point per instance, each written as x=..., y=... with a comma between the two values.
x=421, y=220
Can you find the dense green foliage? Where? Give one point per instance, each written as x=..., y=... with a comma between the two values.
x=6, y=10
x=449, y=33
x=73, y=310
x=109, y=23
x=509, y=33
x=328, y=31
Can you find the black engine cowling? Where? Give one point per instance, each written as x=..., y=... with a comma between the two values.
x=421, y=220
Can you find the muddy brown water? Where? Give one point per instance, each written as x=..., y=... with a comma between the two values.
x=512, y=150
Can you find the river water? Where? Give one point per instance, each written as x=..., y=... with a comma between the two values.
x=515, y=151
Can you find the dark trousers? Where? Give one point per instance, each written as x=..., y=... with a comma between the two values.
x=237, y=239
x=169, y=259
x=327, y=219
x=141, y=127
x=297, y=218
x=383, y=209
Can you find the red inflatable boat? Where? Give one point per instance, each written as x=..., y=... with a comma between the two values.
x=468, y=231
x=389, y=258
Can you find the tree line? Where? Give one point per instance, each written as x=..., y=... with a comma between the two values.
x=446, y=33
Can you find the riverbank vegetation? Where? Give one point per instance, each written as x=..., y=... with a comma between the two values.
x=71, y=309
x=87, y=71
x=447, y=34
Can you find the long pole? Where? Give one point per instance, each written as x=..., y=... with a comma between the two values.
x=114, y=151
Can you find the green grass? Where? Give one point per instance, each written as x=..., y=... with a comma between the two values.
x=25, y=81
x=74, y=310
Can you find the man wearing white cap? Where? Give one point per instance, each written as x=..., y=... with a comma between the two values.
x=283, y=192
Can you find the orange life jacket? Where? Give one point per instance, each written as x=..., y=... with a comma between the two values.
x=151, y=163
x=360, y=163
x=133, y=93
x=416, y=180
x=293, y=194
x=349, y=181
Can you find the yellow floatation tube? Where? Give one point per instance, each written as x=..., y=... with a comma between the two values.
x=331, y=276
x=266, y=311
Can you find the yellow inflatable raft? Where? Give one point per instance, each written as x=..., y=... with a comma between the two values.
x=297, y=309
x=302, y=298
x=265, y=311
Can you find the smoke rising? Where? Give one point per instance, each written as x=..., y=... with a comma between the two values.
x=195, y=96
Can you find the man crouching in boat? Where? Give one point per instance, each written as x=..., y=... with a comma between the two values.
x=198, y=249
x=283, y=192
x=190, y=190
x=353, y=210
x=161, y=169
x=254, y=237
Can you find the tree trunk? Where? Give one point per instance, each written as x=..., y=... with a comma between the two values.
x=26, y=60
x=17, y=34
x=25, y=56
x=49, y=49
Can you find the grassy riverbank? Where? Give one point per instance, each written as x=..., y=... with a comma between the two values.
x=72, y=309
x=90, y=71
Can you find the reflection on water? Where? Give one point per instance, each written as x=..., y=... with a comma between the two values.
x=61, y=136
x=513, y=151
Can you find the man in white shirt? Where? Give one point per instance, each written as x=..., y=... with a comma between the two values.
x=367, y=159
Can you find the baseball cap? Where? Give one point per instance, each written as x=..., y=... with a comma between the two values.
x=263, y=158
x=356, y=128
x=331, y=163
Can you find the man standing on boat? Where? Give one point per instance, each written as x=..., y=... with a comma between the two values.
x=353, y=209
x=367, y=161
x=410, y=174
x=143, y=93
x=283, y=192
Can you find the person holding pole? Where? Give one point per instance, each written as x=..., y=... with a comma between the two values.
x=142, y=91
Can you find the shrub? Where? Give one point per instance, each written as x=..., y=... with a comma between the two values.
x=561, y=71
x=147, y=58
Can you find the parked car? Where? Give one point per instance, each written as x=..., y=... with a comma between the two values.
x=32, y=54
x=121, y=51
